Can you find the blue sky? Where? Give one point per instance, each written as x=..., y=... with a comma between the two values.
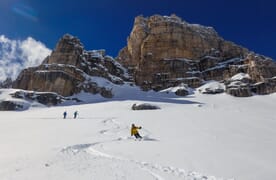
x=105, y=24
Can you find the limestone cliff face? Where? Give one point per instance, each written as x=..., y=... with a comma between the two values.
x=71, y=69
x=164, y=51
x=62, y=79
x=158, y=39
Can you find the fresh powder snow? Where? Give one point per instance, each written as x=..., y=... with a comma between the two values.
x=198, y=137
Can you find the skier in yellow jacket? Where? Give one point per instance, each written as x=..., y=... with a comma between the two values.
x=134, y=131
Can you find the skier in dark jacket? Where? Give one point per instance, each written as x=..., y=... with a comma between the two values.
x=64, y=115
x=75, y=114
x=134, y=131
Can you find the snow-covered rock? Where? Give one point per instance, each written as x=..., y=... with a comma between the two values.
x=180, y=90
x=19, y=100
x=240, y=77
x=239, y=85
x=9, y=103
x=212, y=87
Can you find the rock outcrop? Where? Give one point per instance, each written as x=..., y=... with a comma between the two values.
x=144, y=106
x=164, y=51
x=70, y=69
x=10, y=106
x=19, y=100
x=48, y=99
x=265, y=87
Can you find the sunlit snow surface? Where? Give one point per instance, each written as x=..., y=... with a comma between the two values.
x=197, y=137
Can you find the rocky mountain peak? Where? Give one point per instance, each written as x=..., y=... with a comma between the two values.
x=70, y=69
x=158, y=37
x=174, y=19
x=69, y=44
x=164, y=51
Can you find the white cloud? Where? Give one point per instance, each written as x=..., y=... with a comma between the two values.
x=16, y=55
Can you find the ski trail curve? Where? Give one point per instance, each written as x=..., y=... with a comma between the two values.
x=113, y=128
x=155, y=170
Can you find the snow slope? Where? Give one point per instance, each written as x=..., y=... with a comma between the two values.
x=198, y=137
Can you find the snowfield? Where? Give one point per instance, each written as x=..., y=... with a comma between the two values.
x=198, y=137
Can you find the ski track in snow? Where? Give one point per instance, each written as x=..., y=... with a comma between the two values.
x=153, y=169
x=156, y=171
